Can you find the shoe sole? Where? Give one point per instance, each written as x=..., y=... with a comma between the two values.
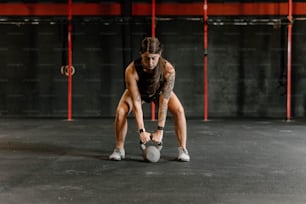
x=115, y=159
x=183, y=160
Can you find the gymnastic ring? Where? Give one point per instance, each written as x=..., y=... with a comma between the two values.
x=64, y=70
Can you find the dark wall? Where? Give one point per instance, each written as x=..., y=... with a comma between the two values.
x=29, y=71
x=246, y=67
x=299, y=69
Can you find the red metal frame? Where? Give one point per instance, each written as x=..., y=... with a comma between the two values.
x=162, y=9
x=153, y=25
x=205, y=78
x=69, y=117
x=153, y=12
x=220, y=9
x=59, y=9
x=289, y=58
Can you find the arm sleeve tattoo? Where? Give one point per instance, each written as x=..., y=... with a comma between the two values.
x=169, y=85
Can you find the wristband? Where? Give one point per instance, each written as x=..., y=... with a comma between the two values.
x=141, y=130
x=160, y=128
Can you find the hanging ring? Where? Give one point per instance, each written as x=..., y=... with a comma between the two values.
x=65, y=70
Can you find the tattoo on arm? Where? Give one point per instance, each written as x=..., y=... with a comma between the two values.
x=169, y=85
x=162, y=113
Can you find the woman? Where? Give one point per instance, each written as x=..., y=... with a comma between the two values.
x=150, y=78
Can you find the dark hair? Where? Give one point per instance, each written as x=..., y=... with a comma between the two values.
x=150, y=45
x=153, y=46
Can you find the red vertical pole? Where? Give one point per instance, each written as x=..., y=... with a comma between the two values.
x=205, y=78
x=153, y=18
x=289, y=58
x=153, y=117
x=69, y=61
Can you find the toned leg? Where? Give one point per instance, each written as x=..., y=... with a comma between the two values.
x=177, y=110
x=121, y=125
x=122, y=111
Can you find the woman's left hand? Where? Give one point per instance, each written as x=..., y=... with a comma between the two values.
x=157, y=136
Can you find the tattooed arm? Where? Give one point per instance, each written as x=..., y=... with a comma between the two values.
x=169, y=78
x=166, y=93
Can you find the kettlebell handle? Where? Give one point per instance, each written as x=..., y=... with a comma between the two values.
x=143, y=146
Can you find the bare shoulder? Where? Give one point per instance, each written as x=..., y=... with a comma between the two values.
x=130, y=71
x=130, y=67
x=169, y=68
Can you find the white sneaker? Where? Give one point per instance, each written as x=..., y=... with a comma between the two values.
x=183, y=154
x=117, y=155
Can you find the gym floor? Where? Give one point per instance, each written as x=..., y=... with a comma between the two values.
x=232, y=161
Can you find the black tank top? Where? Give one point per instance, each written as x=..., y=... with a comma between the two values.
x=149, y=88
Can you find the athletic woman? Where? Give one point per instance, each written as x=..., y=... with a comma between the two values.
x=150, y=78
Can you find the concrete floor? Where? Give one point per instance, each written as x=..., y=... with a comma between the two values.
x=48, y=161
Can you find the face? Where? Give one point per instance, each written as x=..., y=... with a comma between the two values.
x=149, y=60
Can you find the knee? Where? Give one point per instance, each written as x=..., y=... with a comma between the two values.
x=179, y=112
x=121, y=113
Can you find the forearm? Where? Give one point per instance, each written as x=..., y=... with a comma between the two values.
x=162, y=112
x=157, y=135
x=138, y=113
x=144, y=136
x=164, y=98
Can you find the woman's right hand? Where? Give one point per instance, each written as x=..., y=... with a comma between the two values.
x=145, y=137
